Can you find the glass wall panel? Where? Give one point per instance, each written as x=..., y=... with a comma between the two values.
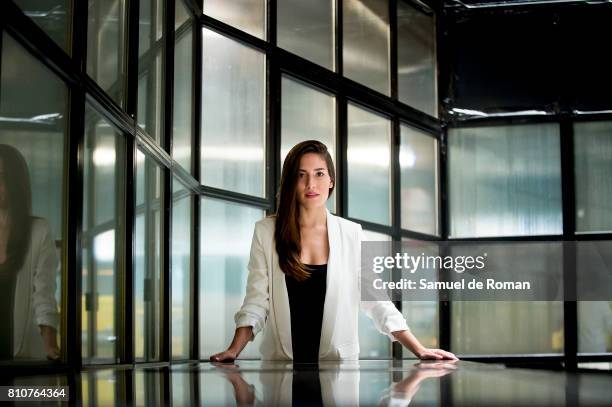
x=52, y=16
x=369, y=166
x=306, y=28
x=151, y=52
x=373, y=344
x=593, y=163
x=233, y=115
x=181, y=270
x=416, y=58
x=308, y=114
x=246, y=15
x=519, y=327
x=33, y=111
x=419, y=180
x=181, y=14
x=106, y=46
x=147, y=259
x=594, y=326
x=365, y=50
x=182, y=123
x=505, y=181
x=103, y=199
x=225, y=243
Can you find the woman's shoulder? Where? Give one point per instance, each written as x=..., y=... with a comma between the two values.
x=266, y=224
x=347, y=225
x=40, y=225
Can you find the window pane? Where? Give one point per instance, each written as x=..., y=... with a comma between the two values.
x=505, y=181
x=246, y=15
x=369, y=176
x=52, y=16
x=593, y=163
x=373, y=344
x=416, y=59
x=32, y=138
x=147, y=261
x=365, y=50
x=106, y=49
x=227, y=231
x=307, y=114
x=520, y=327
x=183, y=97
x=181, y=270
x=181, y=14
x=594, y=326
x=233, y=115
x=150, y=68
x=102, y=231
x=306, y=28
x=419, y=181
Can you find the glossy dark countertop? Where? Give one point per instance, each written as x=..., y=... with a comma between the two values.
x=366, y=382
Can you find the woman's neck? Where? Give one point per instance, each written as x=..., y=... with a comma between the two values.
x=313, y=217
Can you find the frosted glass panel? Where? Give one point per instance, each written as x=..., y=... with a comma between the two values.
x=181, y=270
x=373, y=344
x=593, y=163
x=416, y=58
x=246, y=15
x=369, y=156
x=519, y=327
x=419, y=181
x=307, y=114
x=182, y=125
x=225, y=243
x=233, y=115
x=505, y=181
x=594, y=326
x=306, y=28
x=365, y=50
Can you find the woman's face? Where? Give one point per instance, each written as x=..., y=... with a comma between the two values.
x=313, y=181
x=3, y=197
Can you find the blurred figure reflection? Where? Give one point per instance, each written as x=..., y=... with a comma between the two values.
x=328, y=386
x=28, y=268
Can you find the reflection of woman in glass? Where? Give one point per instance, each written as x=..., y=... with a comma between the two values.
x=28, y=267
x=303, y=287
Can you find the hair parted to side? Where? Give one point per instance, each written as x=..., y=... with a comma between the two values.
x=287, y=229
x=17, y=180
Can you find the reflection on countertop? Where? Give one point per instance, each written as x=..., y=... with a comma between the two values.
x=365, y=382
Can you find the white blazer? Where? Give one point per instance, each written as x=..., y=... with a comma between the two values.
x=35, y=302
x=266, y=303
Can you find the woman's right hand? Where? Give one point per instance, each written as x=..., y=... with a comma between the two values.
x=224, y=357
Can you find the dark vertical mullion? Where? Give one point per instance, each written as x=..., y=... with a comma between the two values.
x=166, y=202
x=339, y=37
x=126, y=354
x=444, y=307
x=195, y=199
x=393, y=44
x=91, y=294
x=342, y=137
x=570, y=306
x=72, y=336
x=396, y=212
x=273, y=131
x=271, y=21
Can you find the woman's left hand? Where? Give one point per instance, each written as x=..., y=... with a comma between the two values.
x=49, y=340
x=436, y=354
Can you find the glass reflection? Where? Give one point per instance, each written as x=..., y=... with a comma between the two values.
x=416, y=58
x=505, y=181
x=225, y=246
x=102, y=198
x=147, y=259
x=369, y=166
x=233, y=115
x=365, y=50
x=52, y=16
x=306, y=28
x=32, y=134
x=307, y=114
x=246, y=15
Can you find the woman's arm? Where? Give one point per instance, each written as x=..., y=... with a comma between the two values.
x=407, y=339
x=242, y=335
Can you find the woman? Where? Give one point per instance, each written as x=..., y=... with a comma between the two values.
x=303, y=287
x=28, y=267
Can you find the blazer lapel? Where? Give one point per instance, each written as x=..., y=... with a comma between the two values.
x=280, y=302
x=334, y=264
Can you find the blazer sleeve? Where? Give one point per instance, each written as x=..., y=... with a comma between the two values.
x=254, y=310
x=384, y=314
x=45, y=272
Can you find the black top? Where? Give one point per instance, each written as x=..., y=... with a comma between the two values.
x=306, y=300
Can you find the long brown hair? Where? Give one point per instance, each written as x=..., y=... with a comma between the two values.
x=17, y=179
x=287, y=229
